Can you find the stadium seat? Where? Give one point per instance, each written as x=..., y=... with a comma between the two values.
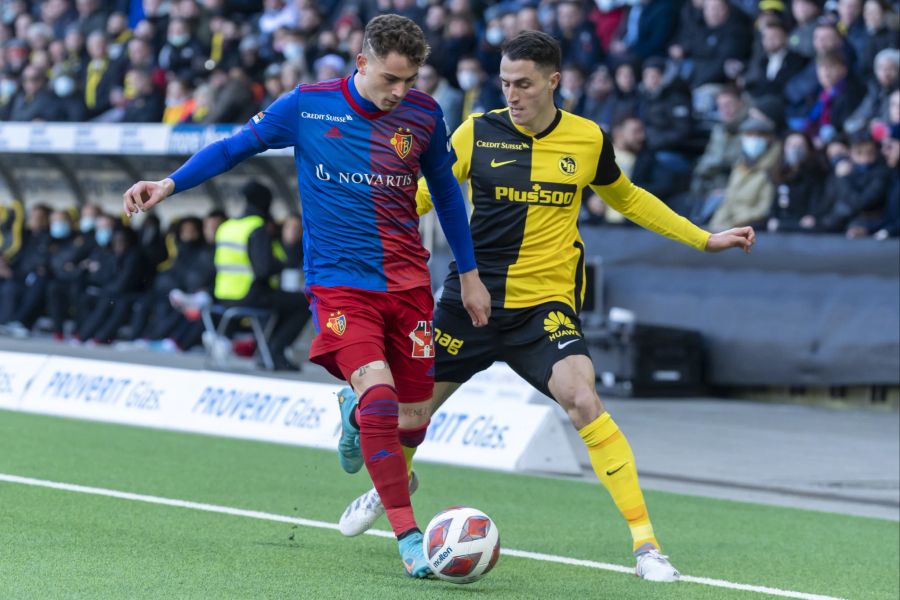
x=261, y=324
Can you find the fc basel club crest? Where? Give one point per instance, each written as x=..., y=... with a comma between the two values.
x=402, y=142
x=423, y=344
x=337, y=323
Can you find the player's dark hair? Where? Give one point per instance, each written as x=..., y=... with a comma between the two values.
x=535, y=46
x=392, y=33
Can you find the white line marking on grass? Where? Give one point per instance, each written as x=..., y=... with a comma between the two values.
x=264, y=516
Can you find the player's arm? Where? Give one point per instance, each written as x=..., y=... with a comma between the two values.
x=448, y=202
x=648, y=211
x=461, y=143
x=273, y=128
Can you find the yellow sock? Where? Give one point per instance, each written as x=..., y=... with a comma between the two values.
x=613, y=462
x=408, y=454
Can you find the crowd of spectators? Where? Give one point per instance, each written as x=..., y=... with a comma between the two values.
x=735, y=112
x=87, y=277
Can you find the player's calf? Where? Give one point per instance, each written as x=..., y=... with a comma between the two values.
x=382, y=454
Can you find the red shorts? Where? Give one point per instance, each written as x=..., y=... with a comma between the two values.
x=355, y=327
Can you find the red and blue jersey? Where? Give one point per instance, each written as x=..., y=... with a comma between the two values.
x=357, y=170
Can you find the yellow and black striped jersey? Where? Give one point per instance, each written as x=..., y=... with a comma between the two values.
x=526, y=193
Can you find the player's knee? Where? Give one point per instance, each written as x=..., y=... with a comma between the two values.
x=378, y=408
x=413, y=437
x=582, y=405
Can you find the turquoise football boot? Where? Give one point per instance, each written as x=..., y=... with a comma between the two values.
x=413, y=556
x=348, y=447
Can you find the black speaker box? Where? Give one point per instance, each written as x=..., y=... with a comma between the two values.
x=635, y=360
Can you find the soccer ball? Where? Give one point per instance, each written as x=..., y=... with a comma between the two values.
x=462, y=544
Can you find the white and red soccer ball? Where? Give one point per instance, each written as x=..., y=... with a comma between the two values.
x=462, y=544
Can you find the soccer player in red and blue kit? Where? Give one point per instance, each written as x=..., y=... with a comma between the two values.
x=359, y=145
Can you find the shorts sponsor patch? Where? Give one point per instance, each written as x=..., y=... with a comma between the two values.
x=423, y=340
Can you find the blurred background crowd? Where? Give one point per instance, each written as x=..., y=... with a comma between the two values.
x=783, y=114
x=734, y=112
x=85, y=277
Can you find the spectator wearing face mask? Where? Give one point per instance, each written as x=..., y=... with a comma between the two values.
x=98, y=268
x=87, y=220
x=181, y=54
x=799, y=184
x=125, y=276
x=69, y=247
x=750, y=192
x=858, y=190
x=479, y=93
x=71, y=104
x=488, y=53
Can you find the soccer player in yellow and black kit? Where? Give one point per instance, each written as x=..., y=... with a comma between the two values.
x=527, y=166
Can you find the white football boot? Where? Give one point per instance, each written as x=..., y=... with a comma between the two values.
x=362, y=513
x=653, y=566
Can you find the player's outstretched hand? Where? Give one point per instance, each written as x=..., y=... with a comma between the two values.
x=475, y=298
x=739, y=237
x=144, y=195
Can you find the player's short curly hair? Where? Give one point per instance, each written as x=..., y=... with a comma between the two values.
x=536, y=46
x=392, y=33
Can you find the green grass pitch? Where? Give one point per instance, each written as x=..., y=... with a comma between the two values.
x=61, y=544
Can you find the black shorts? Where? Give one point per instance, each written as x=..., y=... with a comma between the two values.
x=530, y=340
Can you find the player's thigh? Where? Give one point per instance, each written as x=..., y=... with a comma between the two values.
x=462, y=350
x=350, y=334
x=537, y=338
x=409, y=343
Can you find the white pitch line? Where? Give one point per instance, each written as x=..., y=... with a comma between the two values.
x=264, y=516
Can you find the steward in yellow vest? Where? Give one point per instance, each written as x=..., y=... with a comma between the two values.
x=248, y=261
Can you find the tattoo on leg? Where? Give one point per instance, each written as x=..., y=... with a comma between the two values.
x=416, y=412
x=375, y=365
